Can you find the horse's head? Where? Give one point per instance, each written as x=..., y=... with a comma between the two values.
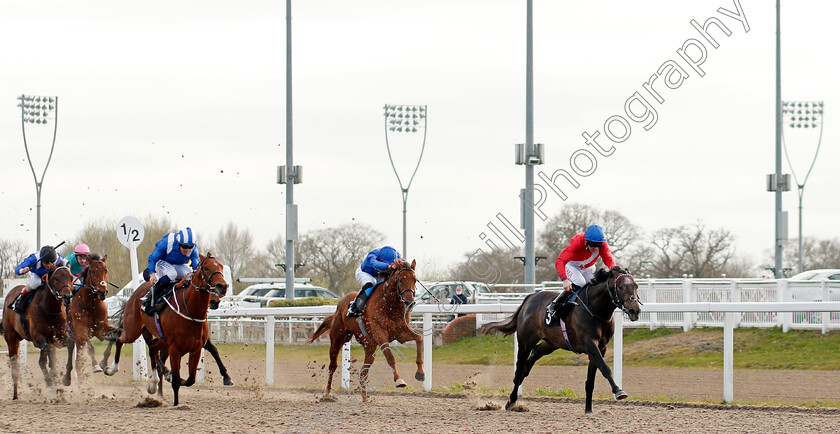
x=403, y=280
x=625, y=290
x=208, y=276
x=60, y=283
x=96, y=277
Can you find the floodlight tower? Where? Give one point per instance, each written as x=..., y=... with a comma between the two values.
x=38, y=110
x=409, y=119
x=802, y=115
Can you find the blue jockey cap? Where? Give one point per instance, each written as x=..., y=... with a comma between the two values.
x=595, y=234
x=186, y=236
x=388, y=254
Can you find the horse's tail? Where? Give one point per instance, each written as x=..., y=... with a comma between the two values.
x=508, y=326
x=115, y=321
x=328, y=320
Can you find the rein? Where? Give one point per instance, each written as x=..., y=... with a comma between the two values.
x=206, y=288
x=57, y=293
x=615, y=298
x=99, y=294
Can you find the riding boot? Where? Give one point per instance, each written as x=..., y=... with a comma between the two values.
x=358, y=305
x=564, y=305
x=154, y=294
x=161, y=292
x=17, y=304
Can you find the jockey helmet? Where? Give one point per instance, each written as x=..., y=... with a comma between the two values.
x=595, y=234
x=185, y=238
x=48, y=255
x=81, y=249
x=388, y=254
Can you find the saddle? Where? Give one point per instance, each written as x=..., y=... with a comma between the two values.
x=554, y=312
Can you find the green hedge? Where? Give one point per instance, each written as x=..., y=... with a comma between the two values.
x=309, y=301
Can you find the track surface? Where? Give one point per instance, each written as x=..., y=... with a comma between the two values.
x=96, y=404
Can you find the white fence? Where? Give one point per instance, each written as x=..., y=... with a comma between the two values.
x=729, y=312
x=719, y=291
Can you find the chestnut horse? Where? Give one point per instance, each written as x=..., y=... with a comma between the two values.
x=87, y=315
x=182, y=328
x=589, y=325
x=44, y=322
x=164, y=352
x=385, y=317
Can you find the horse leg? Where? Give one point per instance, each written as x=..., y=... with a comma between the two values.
x=590, y=385
x=335, y=345
x=104, y=363
x=165, y=374
x=175, y=366
x=96, y=368
x=542, y=349
x=386, y=349
x=192, y=366
x=128, y=335
x=364, y=373
x=526, y=344
x=222, y=370
x=14, y=347
x=68, y=369
x=596, y=356
x=420, y=375
x=153, y=376
x=42, y=362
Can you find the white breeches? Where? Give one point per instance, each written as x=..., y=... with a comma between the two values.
x=580, y=276
x=175, y=272
x=363, y=277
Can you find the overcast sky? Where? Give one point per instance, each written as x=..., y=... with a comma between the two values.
x=179, y=108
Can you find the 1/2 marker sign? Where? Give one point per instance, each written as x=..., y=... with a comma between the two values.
x=130, y=232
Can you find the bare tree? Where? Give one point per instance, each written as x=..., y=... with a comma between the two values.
x=574, y=219
x=12, y=253
x=235, y=249
x=491, y=266
x=816, y=254
x=692, y=249
x=332, y=255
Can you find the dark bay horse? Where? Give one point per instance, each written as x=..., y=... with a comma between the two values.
x=590, y=327
x=87, y=315
x=183, y=327
x=44, y=323
x=386, y=318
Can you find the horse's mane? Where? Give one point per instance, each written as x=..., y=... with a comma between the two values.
x=603, y=274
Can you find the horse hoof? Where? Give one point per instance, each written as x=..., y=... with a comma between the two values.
x=228, y=382
x=168, y=377
x=508, y=405
x=401, y=383
x=97, y=369
x=420, y=376
x=111, y=370
x=152, y=388
x=620, y=395
x=66, y=381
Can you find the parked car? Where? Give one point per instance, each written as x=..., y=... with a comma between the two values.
x=266, y=292
x=804, y=286
x=823, y=274
x=444, y=291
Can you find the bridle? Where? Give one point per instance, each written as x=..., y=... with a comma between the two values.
x=395, y=275
x=96, y=292
x=616, y=298
x=57, y=292
x=206, y=287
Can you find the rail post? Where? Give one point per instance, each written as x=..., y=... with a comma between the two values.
x=345, y=365
x=735, y=297
x=784, y=296
x=199, y=373
x=651, y=298
x=688, y=317
x=141, y=366
x=826, y=316
x=618, y=348
x=428, y=337
x=728, y=355
x=269, y=350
